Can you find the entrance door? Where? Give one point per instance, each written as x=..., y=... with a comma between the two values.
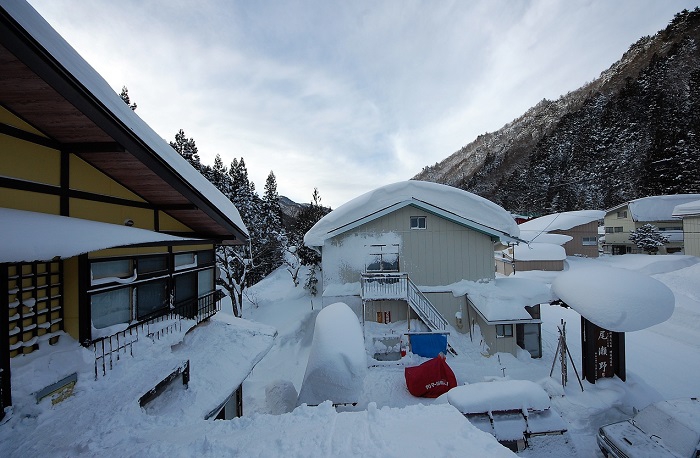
x=528, y=338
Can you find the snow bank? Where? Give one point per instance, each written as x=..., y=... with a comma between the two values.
x=497, y=396
x=69, y=59
x=658, y=208
x=30, y=236
x=615, y=299
x=337, y=361
x=562, y=221
x=504, y=299
x=539, y=252
x=454, y=201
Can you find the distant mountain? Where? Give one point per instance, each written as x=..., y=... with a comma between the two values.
x=290, y=210
x=632, y=132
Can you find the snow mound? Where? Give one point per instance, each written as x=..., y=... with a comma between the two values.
x=615, y=299
x=280, y=397
x=544, y=237
x=687, y=209
x=337, y=361
x=460, y=203
x=498, y=396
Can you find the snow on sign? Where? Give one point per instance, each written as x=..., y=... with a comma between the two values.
x=337, y=361
x=615, y=299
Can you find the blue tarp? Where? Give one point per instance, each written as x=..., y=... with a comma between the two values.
x=428, y=345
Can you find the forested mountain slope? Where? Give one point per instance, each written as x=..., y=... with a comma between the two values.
x=633, y=132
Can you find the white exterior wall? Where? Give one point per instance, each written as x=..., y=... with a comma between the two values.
x=628, y=225
x=691, y=235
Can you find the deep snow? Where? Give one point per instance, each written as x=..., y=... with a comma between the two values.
x=663, y=362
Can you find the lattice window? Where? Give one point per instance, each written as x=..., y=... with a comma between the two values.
x=35, y=301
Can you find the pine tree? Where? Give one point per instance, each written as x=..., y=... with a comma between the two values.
x=648, y=238
x=125, y=97
x=307, y=217
x=187, y=149
x=274, y=240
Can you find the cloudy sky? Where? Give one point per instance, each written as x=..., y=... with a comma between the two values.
x=347, y=95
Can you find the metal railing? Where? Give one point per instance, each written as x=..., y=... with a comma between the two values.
x=110, y=349
x=388, y=286
x=384, y=286
x=425, y=309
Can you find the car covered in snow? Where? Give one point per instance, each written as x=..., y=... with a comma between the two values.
x=663, y=429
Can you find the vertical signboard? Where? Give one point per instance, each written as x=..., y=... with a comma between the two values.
x=603, y=352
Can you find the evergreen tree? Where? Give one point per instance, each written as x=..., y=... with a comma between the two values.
x=648, y=238
x=124, y=94
x=274, y=239
x=307, y=217
x=187, y=149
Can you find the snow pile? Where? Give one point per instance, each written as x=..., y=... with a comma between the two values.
x=352, y=254
x=650, y=265
x=337, y=361
x=687, y=209
x=658, y=208
x=539, y=252
x=503, y=298
x=280, y=397
x=69, y=59
x=561, y=221
x=498, y=396
x=30, y=236
x=454, y=201
x=615, y=299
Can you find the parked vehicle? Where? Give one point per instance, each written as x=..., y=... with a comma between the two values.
x=664, y=429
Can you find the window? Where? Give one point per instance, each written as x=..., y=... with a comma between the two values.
x=382, y=258
x=609, y=229
x=152, y=264
x=185, y=261
x=110, y=308
x=205, y=282
x=110, y=270
x=618, y=229
x=205, y=257
x=418, y=222
x=590, y=241
x=504, y=330
x=622, y=214
x=151, y=297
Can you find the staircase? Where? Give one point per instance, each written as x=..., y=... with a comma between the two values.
x=397, y=286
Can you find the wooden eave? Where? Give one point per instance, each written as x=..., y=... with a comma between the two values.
x=38, y=89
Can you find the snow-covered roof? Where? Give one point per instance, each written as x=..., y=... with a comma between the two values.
x=29, y=236
x=337, y=362
x=615, y=299
x=451, y=203
x=503, y=299
x=544, y=237
x=687, y=209
x=539, y=252
x=562, y=221
x=657, y=208
x=75, y=65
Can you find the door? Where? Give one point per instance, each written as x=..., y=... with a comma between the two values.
x=529, y=338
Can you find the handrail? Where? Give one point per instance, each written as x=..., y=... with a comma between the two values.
x=422, y=305
x=393, y=285
x=108, y=349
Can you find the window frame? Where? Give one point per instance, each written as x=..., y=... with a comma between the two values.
x=418, y=220
x=504, y=333
x=381, y=254
x=589, y=241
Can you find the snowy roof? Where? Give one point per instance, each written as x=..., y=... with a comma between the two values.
x=539, y=252
x=496, y=396
x=562, y=221
x=448, y=202
x=687, y=209
x=29, y=236
x=544, y=237
x=503, y=299
x=657, y=208
x=619, y=300
x=110, y=101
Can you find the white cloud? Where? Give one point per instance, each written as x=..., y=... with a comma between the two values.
x=346, y=96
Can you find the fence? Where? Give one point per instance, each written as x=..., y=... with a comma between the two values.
x=110, y=349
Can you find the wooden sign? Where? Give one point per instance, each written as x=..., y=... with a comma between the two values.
x=603, y=352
